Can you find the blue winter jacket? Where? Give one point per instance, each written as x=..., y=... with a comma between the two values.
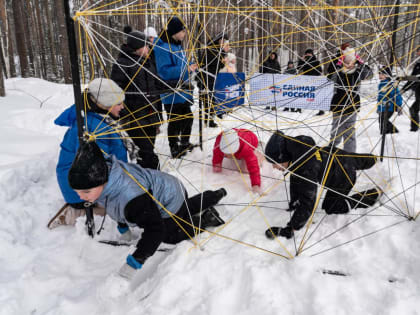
x=111, y=144
x=172, y=64
x=120, y=189
x=388, y=95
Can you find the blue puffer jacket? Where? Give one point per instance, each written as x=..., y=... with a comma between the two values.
x=111, y=144
x=121, y=189
x=171, y=64
x=388, y=95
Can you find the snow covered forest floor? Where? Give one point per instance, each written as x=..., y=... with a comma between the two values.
x=63, y=271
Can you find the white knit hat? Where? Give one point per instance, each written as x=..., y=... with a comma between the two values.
x=229, y=144
x=106, y=92
x=150, y=32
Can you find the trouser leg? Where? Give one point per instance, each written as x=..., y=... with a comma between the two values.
x=145, y=138
x=335, y=136
x=185, y=126
x=176, y=232
x=414, y=113
x=173, y=129
x=349, y=133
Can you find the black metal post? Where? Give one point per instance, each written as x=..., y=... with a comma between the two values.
x=392, y=60
x=80, y=114
x=384, y=131
x=74, y=62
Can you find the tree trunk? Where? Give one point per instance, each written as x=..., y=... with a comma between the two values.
x=20, y=38
x=2, y=89
x=51, y=47
x=64, y=47
x=4, y=31
x=41, y=38
x=10, y=50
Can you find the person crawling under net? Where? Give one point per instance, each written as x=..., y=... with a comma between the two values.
x=309, y=165
x=134, y=196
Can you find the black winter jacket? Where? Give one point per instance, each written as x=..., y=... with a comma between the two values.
x=271, y=66
x=413, y=85
x=211, y=62
x=144, y=106
x=309, y=163
x=346, y=95
x=309, y=66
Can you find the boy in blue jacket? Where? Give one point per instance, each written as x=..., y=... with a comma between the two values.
x=172, y=64
x=152, y=200
x=389, y=101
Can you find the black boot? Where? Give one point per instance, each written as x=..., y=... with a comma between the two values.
x=211, y=218
x=174, y=147
x=220, y=193
x=185, y=147
x=365, y=199
x=212, y=124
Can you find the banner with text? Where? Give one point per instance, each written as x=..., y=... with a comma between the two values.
x=285, y=90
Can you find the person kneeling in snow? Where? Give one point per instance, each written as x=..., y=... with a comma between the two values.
x=308, y=164
x=238, y=144
x=147, y=198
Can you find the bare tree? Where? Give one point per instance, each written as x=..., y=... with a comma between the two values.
x=20, y=38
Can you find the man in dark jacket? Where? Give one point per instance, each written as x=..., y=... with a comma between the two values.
x=211, y=61
x=136, y=73
x=346, y=103
x=309, y=65
x=308, y=164
x=415, y=86
x=271, y=65
x=134, y=196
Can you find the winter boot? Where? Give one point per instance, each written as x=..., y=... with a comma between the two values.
x=212, y=124
x=220, y=193
x=185, y=147
x=174, y=147
x=211, y=218
x=365, y=199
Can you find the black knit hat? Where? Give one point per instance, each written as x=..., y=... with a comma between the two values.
x=174, y=26
x=275, y=150
x=89, y=168
x=309, y=51
x=136, y=40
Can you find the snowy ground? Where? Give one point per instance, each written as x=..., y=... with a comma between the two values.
x=65, y=272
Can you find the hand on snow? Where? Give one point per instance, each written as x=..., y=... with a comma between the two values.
x=126, y=235
x=128, y=270
x=217, y=168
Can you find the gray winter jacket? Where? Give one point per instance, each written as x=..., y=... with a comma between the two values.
x=121, y=189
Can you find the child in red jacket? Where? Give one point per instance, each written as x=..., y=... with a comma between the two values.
x=239, y=144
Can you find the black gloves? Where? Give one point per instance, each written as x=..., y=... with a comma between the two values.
x=286, y=232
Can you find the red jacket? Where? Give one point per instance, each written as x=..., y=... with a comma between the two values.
x=248, y=141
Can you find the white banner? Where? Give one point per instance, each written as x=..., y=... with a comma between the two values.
x=286, y=90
